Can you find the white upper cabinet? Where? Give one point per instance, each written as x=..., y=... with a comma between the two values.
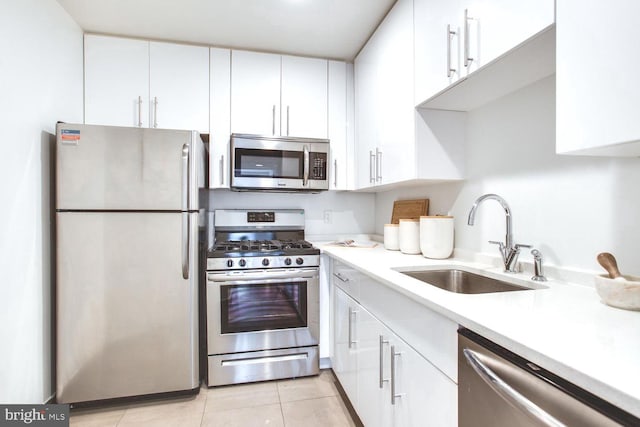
x=178, y=83
x=454, y=38
x=597, y=90
x=278, y=95
x=220, y=118
x=340, y=102
x=116, y=79
x=304, y=97
x=255, y=93
x=146, y=84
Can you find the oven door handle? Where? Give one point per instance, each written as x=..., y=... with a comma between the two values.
x=264, y=276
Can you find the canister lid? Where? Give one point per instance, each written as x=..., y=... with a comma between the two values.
x=408, y=220
x=436, y=216
x=391, y=225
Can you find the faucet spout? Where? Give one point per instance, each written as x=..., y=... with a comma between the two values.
x=508, y=241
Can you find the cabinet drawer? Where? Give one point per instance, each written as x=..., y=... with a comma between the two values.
x=348, y=279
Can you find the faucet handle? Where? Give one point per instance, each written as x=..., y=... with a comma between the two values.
x=519, y=246
x=495, y=242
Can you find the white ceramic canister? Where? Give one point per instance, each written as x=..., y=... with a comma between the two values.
x=436, y=236
x=391, y=242
x=409, y=236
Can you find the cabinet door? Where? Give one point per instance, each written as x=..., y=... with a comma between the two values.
x=344, y=360
x=424, y=396
x=395, y=86
x=374, y=406
x=179, y=81
x=597, y=90
x=436, y=51
x=304, y=97
x=337, y=100
x=255, y=93
x=497, y=26
x=116, y=79
x=366, y=113
x=220, y=117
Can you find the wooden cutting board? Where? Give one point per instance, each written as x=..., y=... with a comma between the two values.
x=409, y=209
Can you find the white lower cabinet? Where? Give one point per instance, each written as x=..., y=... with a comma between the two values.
x=387, y=381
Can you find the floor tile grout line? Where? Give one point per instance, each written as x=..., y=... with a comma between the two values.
x=204, y=408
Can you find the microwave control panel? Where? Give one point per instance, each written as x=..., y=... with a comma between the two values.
x=318, y=166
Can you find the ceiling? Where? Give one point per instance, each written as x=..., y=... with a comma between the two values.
x=322, y=28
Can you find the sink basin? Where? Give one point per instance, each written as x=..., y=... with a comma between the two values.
x=463, y=282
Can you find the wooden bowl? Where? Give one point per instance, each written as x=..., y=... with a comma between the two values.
x=623, y=294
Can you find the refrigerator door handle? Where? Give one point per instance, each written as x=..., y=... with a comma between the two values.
x=185, y=213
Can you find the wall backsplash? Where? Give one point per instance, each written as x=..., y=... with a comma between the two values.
x=569, y=207
x=351, y=213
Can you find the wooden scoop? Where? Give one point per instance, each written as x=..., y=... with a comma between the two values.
x=608, y=262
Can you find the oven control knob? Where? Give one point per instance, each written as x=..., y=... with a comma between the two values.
x=287, y=261
x=242, y=263
x=299, y=261
x=265, y=262
x=229, y=263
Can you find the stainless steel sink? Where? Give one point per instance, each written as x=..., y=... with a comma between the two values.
x=463, y=282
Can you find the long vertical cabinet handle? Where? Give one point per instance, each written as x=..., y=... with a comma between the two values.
x=381, y=373
x=287, y=120
x=394, y=396
x=372, y=163
x=450, y=33
x=335, y=173
x=139, y=111
x=185, y=211
x=467, y=57
x=378, y=165
x=222, y=170
x=155, y=111
x=273, y=120
x=352, y=315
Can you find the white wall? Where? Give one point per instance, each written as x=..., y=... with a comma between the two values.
x=351, y=213
x=571, y=208
x=40, y=83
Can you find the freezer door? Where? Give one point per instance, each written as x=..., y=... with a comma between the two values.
x=119, y=168
x=126, y=316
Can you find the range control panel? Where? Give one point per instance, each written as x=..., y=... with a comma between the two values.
x=261, y=216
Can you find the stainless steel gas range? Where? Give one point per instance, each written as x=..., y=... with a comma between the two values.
x=262, y=297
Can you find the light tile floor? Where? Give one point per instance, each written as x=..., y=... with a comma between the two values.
x=308, y=402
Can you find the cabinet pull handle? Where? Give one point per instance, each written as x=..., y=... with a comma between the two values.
x=287, y=120
x=155, y=111
x=139, y=111
x=378, y=165
x=273, y=120
x=394, y=396
x=381, y=373
x=352, y=315
x=467, y=58
x=372, y=161
x=335, y=173
x=450, y=33
x=222, y=170
x=339, y=276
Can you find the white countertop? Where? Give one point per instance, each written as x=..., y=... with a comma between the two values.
x=564, y=328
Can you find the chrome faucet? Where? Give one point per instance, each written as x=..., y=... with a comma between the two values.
x=508, y=250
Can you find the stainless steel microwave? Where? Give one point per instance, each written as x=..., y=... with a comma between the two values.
x=279, y=163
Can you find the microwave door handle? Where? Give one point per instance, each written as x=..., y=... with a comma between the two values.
x=185, y=213
x=508, y=393
x=305, y=176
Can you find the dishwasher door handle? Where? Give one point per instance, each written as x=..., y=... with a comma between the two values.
x=507, y=392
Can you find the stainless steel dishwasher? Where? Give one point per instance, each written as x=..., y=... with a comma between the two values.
x=499, y=388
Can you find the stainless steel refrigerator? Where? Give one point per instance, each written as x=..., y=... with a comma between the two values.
x=126, y=269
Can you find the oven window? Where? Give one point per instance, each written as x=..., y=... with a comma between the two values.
x=246, y=308
x=251, y=163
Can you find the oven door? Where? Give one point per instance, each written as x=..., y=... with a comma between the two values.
x=262, y=310
x=278, y=163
